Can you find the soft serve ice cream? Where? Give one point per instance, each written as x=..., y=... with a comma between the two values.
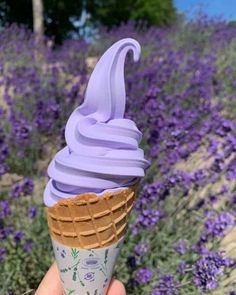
x=102, y=151
x=91, y=190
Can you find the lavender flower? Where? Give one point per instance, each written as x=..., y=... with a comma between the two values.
x=131, y=262
x=18, y=236
x=216, y=225
x=24, y=187
x=182, y=267
x=143, y=275
x=141, y=248
x=3, y=169
x=148, y=218
x=15, y=191
x=28, y=246
x=167, y=286
x=27, y=186
x=32, y=212
x=4, y=209
x=21, y=129
x=231, y=170
x=150, y=193
x=181, y=247
x=208, y=269
x=2, y=254
x=213, y=147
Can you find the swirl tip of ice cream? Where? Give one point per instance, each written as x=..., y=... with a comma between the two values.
x=102, y=150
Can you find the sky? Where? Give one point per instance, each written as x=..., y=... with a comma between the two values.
x=223, y=8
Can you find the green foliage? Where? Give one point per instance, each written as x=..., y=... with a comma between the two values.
x=114, y=12
x=25, y=269
x=59, y=15
x=111, y=12
x=11, y=12
x=154, y=12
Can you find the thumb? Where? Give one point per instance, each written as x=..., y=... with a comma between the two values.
x=51, y=284
x=116, y=288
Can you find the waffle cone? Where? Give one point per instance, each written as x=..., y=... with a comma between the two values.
x=89, y=221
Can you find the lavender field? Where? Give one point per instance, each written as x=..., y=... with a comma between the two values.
x=182, y=95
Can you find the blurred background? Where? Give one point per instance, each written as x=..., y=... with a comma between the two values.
x=182, y=96
x=75, y=19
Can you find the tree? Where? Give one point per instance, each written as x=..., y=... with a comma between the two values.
x=114, y=12
x=38, y=17
x=109, y=12
x=154, y=12
x=59, y=16
x=16, y=11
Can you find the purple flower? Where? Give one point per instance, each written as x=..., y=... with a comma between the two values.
x=32, y=212
x=148, y=218
x=213, y=147
x=225, y=127
x=28, y=246
x=2, y=254
x=231, y=170
x=27, y=186
x=15, y=191
x=218, y=164
x=198, y=177
x=18, y=236
x=167, y=286
x=131, y=262
x=46, y=114
x=233, y=199
x=181, y=247
x=5, y=231
x=216, y=225
x=180, y=179
x=141, y=248
x=182, y=267
x=207, y=269
x=3, y=169
x=3, y=152
x=143, y=275
x=150, y=193
x=5, y=209
x=200, y=248
x=21, y=129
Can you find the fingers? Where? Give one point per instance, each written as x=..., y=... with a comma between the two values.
x=51, y=284
x=116, y=288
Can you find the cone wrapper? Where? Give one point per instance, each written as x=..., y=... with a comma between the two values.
x=87, y=233
x=86, y=271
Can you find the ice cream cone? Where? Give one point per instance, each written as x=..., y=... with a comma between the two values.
x=87, y=233
x=89, y=221
x=102, y=154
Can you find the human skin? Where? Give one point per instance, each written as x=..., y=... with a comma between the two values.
x=51, y=284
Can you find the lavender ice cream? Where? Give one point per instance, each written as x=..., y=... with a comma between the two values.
x=102, y=151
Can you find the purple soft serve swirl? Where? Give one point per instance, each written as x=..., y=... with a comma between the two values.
x=102, y=150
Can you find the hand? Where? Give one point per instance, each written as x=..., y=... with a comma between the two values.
x=51, y=284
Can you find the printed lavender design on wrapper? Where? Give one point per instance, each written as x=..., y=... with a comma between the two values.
x=74, y=253
x=69, y=292
x=82, y=271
